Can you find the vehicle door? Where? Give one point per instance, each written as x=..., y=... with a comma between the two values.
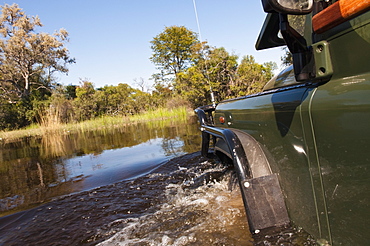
x=339, y=116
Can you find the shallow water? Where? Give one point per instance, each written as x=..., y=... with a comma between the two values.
x=161, y=197
x=35, y=170
x=186, y=201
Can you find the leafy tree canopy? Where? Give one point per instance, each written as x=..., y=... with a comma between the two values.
x=172, y=49
x=218, y=71
x=27, y=58
x=252, y=76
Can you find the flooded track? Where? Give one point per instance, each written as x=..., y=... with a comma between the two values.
x=188, y=200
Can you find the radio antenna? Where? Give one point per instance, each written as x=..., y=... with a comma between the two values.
x=205, y=60
x=196, y=17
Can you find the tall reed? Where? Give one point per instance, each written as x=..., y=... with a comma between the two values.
x=50, y=123
x=49, y=119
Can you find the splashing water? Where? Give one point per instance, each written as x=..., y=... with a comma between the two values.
x=189, y=200
x=205, y=215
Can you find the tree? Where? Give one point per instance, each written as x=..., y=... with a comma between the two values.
x=85, y=104
x=214, y=69
x=12, y=115
x=118, y=99
x=252, y=76
x=172, y=49
x=218, y=70
x=140, y=83
x=193, y=86
x=27, y=58
x=222, y=68
x=57, y=109
x=70, y=91
x=141, y=101
x=121, y=100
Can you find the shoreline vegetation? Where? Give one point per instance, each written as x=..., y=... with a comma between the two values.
x=50, y=128
x=31, y=99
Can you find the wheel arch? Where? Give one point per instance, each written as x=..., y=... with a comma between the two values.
x=258, y=163
x=261, y=192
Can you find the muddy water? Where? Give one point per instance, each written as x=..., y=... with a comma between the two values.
x=35, y=170
x=178, y=199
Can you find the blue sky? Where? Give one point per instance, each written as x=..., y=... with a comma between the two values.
x=111, y=39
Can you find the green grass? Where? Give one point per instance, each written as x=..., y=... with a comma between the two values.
x=162, y=114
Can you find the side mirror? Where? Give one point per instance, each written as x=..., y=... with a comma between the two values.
x=294, y=7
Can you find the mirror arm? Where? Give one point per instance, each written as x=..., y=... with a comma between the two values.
x=295, y=42
x=297, y=45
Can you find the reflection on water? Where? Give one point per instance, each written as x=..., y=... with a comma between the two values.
x=33, y=170
x=190, y=200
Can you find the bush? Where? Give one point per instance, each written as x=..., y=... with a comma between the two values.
x=177, y=102
x=13, y=115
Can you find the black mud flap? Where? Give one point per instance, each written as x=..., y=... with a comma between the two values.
x=262, y=196
x=264, y=203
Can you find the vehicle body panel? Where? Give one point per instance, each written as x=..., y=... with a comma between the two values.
x=316, y=137
x=340, y=114
x=274, y=121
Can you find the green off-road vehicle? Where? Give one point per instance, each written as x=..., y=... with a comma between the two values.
x=301, y=148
